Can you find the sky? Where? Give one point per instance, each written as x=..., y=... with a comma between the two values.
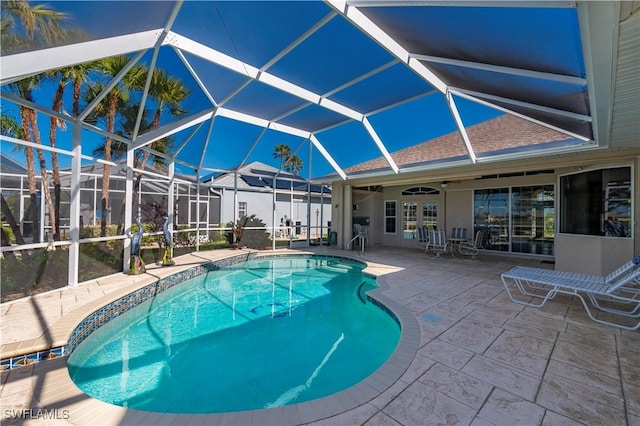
x=323, y=62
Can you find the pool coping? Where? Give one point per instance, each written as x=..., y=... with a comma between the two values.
x=88, y=409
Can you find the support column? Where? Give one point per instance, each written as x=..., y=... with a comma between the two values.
x=74, y=207
x=309, y=195
x=171, y=202
x=321, y=211
x=128, y=209
x=172, y=197
x=347, y=215
x=273, y=215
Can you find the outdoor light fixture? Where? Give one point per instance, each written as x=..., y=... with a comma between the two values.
x=445, y=183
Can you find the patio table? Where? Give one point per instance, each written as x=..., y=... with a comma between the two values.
x=455, y=245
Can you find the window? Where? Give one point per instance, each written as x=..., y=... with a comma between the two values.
x=518, y=219
x=592, y=199
x=532, y=219
x=430, y=214
x=421, y=190
x=242, y=208
x=491, y=215
x=389, y=217
x=409, y=220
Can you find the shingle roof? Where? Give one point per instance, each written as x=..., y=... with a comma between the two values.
x=504, y=133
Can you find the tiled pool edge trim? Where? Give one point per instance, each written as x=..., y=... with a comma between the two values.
x=31, y=358
x=341, y=402
x=129, y=301
x=107, y=312
x=332, y=405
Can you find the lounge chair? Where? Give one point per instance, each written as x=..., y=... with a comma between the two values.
x=620, y=288
x=437, y=242
x=471, y=248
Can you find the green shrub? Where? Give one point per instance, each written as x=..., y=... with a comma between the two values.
x=91, y=231
x=11, y=238
x=252, y=238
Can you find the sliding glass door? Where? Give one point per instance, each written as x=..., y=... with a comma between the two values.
x=491, y=216
x=533, y=219
x=517, y=219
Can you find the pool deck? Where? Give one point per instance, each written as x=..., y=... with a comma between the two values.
x=482, y=359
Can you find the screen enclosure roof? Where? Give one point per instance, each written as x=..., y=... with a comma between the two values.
x=344, y=83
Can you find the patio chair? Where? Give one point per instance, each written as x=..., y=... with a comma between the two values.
x=620, y=288
x=459, y=233
x=423, y=238
x=437, y=242
x=471, y=248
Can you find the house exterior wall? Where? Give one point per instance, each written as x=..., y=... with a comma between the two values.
x=579, y=253
x=261, y=204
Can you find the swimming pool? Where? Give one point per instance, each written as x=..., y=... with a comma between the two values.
x=264, y=333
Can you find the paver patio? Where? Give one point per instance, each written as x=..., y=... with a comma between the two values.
x=482, y=360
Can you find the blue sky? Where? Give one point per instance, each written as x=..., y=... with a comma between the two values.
x=406, y=125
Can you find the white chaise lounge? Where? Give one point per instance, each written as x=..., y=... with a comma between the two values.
x=620, y=290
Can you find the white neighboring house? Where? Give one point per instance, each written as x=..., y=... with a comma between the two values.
x=255, y=183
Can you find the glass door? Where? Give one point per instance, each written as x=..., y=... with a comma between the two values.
x=429, y=217
x=412, y=217
x=409, y=220
x=491, y=216
x=517, y=219
x=532, y=219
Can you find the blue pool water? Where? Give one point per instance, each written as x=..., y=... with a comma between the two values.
x=263, y=333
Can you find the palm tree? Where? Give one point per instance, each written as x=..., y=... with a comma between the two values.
x=283, y=152
x=76, y=74
x=293, y=165
x=10, y=127
x=24, y=88
x=54, y=124
x=288, y=163
x=128, y=116
x=168, y=94
x=25, y=26
x=79, y=74
x=108, y=109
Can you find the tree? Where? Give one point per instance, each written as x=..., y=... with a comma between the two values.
x=79, y=74
x=293, y=165
x=24, y=88
x=282, y=152
x=107, y=109
x=168, y=94
x=128, y=115
x=288, y=162
x=24, y=26
x=54, y=124
x=10, y=127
